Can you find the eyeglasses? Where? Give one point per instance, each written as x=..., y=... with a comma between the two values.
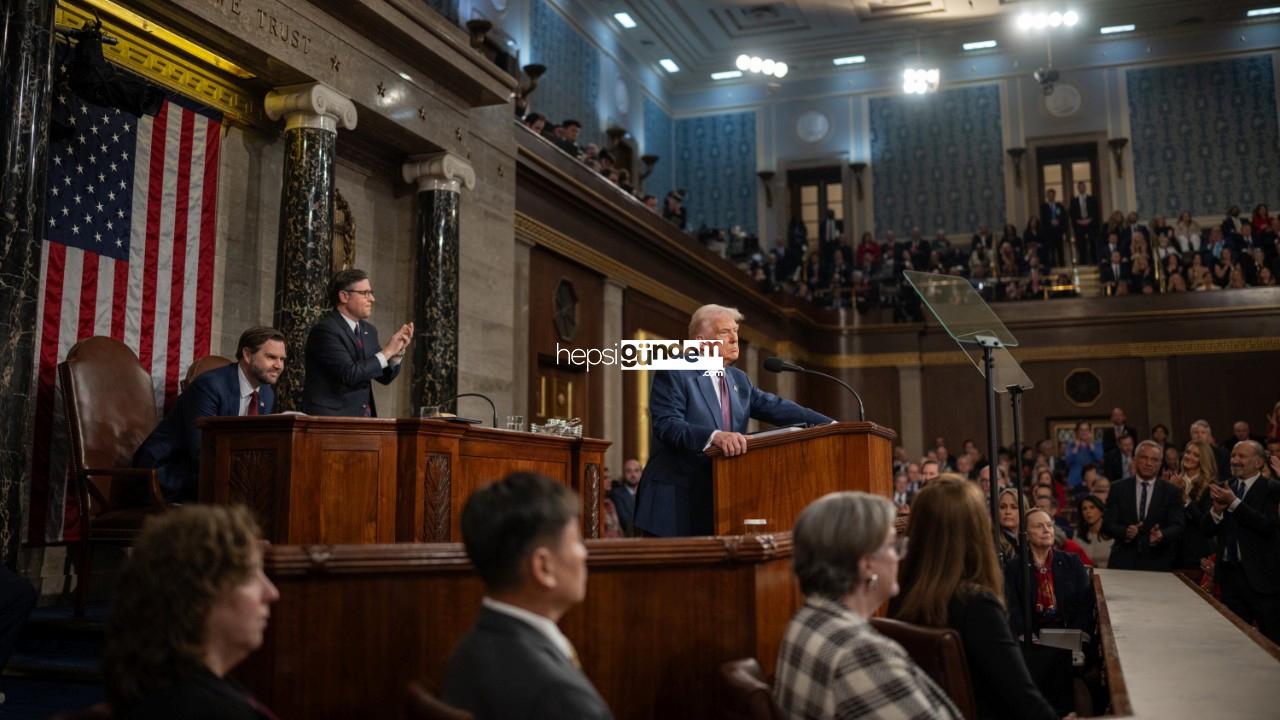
x=366, y=293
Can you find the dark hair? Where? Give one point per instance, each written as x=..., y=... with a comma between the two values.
x=343, y=280
x=1160, y=426
x=570, y=123
x=647, y=198
x=1082, y=527
x=255, y=337
x=181, y=562
x=503, y=523
x=532, y=118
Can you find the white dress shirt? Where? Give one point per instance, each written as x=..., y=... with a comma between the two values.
x=540, y=623
x=246, y=391
x=382, y=359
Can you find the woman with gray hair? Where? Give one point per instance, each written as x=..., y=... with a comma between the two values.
x=832, y=663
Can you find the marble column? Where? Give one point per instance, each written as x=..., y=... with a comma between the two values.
x=440, y=178
x=521, y=252
x=26, y=76
x=312, y=115
x=911, y=410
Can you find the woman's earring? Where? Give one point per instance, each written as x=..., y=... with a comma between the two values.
x=873, y=581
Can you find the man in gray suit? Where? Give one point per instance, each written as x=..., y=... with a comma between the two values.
x=522, y=536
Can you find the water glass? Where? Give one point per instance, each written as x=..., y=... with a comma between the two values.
x=429, y=411
x=515, y=422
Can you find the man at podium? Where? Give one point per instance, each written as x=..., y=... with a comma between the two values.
x=690, y=412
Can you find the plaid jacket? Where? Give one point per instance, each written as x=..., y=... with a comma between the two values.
x=833, y=664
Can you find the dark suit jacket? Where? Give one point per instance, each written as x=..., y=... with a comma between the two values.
x=173, y=448
x=1113, y=464
x=202, y=696
x=505, y=669
x=1091, y=204
x=1072, y=591
x=1002, y=685
x=1047, y=214
x=675, y=489
x=625, y=504
x=1109, y=432
x=1163, y=507
x=1257, y=529
x=338, y=375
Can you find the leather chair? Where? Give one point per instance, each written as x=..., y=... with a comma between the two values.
x=747, y=695
x=422, y=705
x=202, y=366
x=110, y=411
x=940, y=653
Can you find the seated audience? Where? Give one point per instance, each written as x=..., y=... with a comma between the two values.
x=955, y=581
x=192, y=603
x=1062, y=595
x=1089, y=531
x=832, y=663
x=1010, y=515
x=1145, y=515
x=1186, y=232
x=522, y=537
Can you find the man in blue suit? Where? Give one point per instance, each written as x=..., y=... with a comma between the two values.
x=241, y=388
x=690, y=412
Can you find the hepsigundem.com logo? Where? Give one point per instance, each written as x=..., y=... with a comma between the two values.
x=648, y=355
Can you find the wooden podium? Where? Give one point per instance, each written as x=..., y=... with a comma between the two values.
x=327, y=480
x=782, y=473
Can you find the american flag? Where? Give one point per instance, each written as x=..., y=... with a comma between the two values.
x=129, y=253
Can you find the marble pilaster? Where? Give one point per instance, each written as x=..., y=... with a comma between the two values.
x=26, y=77
x=440, y=179
x=312, y=116
x=614, y=410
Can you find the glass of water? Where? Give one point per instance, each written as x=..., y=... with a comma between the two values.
x=515, y=422
x=429, y=411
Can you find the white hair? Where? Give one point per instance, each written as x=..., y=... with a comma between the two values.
x=703, y=316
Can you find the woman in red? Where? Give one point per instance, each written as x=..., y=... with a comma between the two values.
x=1261, y=218
x=1062, y=596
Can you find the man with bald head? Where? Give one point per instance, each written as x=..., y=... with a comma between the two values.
x=691, y=411
x=1243, y=517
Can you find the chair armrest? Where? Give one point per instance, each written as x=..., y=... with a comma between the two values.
x=148, y=474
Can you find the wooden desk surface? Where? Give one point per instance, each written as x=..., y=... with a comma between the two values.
x=1181, y=657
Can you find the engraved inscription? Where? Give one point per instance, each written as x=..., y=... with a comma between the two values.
x=435, y=511
x=593, y=500
x=279, y=29
x=231, y=6
x=252, y=479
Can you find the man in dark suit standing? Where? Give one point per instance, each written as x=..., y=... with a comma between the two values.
x=1119, y=461
x=623, y=494
x=690, y=412
x=522, y=536
x=1243, y=517
x=1053, y=224
x=241, y=388
x=1084, y=223
x=1144, y=514
x=1118, y=429
x=343, y=355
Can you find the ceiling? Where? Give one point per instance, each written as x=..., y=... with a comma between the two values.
x=705, y=36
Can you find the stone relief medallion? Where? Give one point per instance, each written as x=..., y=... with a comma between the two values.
x=621, y=95
x=344, y=233
x=565, y=310
x=812, y=126
x=1064, y=102
x=1082, y=387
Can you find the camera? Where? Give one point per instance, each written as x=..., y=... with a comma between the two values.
x=1046, y=77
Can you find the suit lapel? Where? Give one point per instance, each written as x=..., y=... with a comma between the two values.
x=708, y=388
x=348, y=337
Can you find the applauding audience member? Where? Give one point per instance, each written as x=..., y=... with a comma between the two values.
x=1082, y=450
x=193, y=602
x=1199, y=470
x=832, y=663
x=1145, y=515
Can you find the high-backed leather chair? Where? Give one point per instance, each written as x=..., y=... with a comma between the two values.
x=747, y=695
x=202, y=366
x=940, y=653
x=422, y=705
x=110, y=411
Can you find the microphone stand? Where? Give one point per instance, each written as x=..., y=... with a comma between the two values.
x=862, y=411
x=1024, y=549
x=493, y=408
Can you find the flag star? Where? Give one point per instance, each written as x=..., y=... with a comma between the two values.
x=119, y=243
x=55, y=191
x=124, y=156
x=63, y=67
x=117, y=111
x=97, y=237
x=111, y=195
x=103, y=147
x=111, y=226
x=62, y=99
x=93, y=129
x=77, y=199
x=113, y=167
x=123, y=186
x=115, y=137
x=93, y=158
x=84, y=110
x=105, y=118
x=57, y=160
x=65, y=212
x=53, y=223
x=102, y=177
x=81, y=138
x=88, y=219
x=72, y=119
x=66, y=180
x=89, y=188
x=126, y=127
x=79, y=169
x=120, y=214
x=99, y=206
x=70, y=151
x=75, y=229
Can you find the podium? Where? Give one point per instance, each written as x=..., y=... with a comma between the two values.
x=782, y=473
x=339, y=480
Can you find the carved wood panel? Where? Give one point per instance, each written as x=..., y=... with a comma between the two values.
x=251, y=482
x=592, y=491
x=436, y=497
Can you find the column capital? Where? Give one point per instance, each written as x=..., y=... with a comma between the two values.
x=439, y=171
x=311, y=105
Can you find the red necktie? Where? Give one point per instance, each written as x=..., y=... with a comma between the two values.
x=253, y=404
x=359, y=341
x=725, y=412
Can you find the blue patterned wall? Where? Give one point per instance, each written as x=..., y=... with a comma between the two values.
x=1204, y=136
x=716, y=163
x=658, y=141
x=447, y=8
x=938, y=161
x=572, y=83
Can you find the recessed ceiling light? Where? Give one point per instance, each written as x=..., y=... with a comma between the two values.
x=726, y=75
x=850, y=60
x=1113, y=29
x=624, y=20
x=669, y=65
x=1259, y=12
x=404, y=76
x=980, y=45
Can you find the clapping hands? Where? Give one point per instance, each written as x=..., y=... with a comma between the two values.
x=399, y=342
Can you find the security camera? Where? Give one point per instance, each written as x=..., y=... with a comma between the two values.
x=1046, y=77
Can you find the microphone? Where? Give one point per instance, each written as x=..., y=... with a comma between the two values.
x=777, y=365
x=492, y=407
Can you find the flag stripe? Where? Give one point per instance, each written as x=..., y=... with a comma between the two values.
x=155, y=207
x=55, y=253
x=178, y=260
x=88, y=294
x=208, y=223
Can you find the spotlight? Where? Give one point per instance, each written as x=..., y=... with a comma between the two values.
x=766, y=67
x=780, y=70
x=1070, y=18
x=743, y=62
x=918, y=81
x=756, y=64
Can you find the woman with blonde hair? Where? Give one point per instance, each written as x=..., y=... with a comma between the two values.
x=955, y=581
x=1199, y=470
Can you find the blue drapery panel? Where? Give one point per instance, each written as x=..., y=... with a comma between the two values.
x=716, y=164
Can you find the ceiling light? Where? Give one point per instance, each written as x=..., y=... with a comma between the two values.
x=743, y=62
x=669, y=65
x=404, y=76
x=726, y=75
x=756, y=64
x=981, y=45
x=1055, y=19
x=1259, y=12
x=918, y=81
x=1070, y=18
x=1039, y=21
x=766, y=67
x=780, y=70
x=850, y=60
x=1113, y=29
x=624, y=20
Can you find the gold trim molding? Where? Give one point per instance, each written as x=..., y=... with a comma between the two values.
x=139, y=54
